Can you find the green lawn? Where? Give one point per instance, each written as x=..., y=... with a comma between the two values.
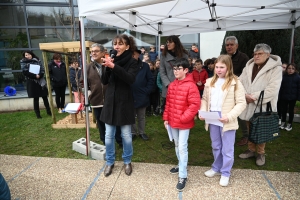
x=23, y=134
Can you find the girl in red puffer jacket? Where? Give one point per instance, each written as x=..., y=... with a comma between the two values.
x=182, y=104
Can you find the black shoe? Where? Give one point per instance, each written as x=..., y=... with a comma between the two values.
x=108, y=170
x=133, y=136
x=144, y=136
x=181, y=183
x=174, y=170
x=120, y=145
x=128, y=169
x=39, y=117
x=49, y=112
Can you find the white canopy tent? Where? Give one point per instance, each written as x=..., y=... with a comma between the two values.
x=177, y=17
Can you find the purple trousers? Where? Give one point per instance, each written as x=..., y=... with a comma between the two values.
x=223, y=149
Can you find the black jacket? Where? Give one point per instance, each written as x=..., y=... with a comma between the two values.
x=142, y=85
x=118, y=105
x=239, y=60
x=33, y=87
x=75, y=75
x=290, y=87
x=58, y=75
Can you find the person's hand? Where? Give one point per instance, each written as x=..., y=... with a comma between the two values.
x=89, y=93
x=201, y=118
x=108, y=62
x=37, y=76
x=166, y=123
x=224, y=119
x=249, y=98
x=199, y=83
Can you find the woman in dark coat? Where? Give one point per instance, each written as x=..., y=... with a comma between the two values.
x=36, y=84
x=58, y=77
x=118, y=106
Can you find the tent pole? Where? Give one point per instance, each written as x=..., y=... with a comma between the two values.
x=159, y=34
x=292, y=44
x=86, y=100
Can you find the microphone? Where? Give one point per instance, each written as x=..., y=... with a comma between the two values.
x=113, y=53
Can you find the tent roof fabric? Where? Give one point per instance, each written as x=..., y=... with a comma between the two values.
x=179, y=17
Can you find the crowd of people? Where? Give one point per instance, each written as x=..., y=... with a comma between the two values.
x=176, y=83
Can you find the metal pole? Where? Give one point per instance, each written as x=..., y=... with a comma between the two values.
x=86, y=100
x=159, y=34
x=292, y=44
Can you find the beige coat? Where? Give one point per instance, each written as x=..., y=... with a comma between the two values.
x=233, y=103
x=268, y=79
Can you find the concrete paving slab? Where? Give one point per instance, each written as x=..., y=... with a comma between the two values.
x=55, y=178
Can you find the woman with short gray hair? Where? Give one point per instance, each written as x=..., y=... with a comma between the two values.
x=262, y=72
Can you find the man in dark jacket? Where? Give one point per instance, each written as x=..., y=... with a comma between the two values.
x=96, y=90
x=141, y=88
x=239, y=60
x=4, y=189
x=194, y=52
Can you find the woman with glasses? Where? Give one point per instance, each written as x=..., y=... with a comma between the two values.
x=119, y=75
x=173, y=50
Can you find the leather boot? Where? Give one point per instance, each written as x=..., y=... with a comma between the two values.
x=108, y=170
x=38, y=115
x=128, y=169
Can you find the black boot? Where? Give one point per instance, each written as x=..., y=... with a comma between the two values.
x=48, y=111
x=38, y=115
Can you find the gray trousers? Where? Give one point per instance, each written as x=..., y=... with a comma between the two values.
x=243, y=127
x=140, y=113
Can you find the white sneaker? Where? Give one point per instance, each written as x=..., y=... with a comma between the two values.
x=288, y=127
x=279, y=122
x=224, y=181
x=59, y=110
x=211, y=173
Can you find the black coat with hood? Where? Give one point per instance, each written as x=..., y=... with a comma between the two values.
x=58, y=75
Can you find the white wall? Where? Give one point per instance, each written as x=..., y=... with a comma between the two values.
x=211, y=44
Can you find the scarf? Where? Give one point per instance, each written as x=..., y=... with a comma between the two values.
x=122, y=59
x=172, y=53
x=57, y=63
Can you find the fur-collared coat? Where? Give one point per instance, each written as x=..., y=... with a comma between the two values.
x=268, y=79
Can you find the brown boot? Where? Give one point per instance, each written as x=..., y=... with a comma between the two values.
x=242, y=142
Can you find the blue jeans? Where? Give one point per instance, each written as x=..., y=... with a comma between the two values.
x=181, y=137
x=110, y=143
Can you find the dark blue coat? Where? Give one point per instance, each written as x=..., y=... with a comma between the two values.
x=4, y=189
x=75, y=75
x=290, y=87
x=152, y=56
x=142, y=86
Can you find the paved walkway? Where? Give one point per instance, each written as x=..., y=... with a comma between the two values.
x=55, y=178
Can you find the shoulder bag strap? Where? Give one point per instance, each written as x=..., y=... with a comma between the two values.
x=260, y=99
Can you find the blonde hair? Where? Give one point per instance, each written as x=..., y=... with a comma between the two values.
x=229, y=76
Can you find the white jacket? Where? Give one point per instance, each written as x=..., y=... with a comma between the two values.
x=267, y=79
x=233, y=103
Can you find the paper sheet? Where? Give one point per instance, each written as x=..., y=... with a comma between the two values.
x=211, y=118
x=170, y=132
x=35, y=69
x=73, y=107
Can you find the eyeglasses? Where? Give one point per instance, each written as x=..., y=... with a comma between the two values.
x=177, y=68
x=258, y=54
x=95, y=51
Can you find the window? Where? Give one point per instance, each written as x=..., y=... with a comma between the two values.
x=13, y=38
x=49, y=16
x=12, y=16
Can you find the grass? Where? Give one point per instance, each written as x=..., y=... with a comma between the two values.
x=23, y=134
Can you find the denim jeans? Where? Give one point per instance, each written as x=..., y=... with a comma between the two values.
x=110, y=143
x=181, y=137
x=223, y=149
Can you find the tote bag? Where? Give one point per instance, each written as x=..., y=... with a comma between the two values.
x=263, y=125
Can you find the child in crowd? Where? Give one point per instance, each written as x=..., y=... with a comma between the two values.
x=289, y=93
x=200, y=75
x=223, y=93
x=182, y=104
x=152, y=54
x=75, y=74
x=146, y=58
x=154, y=95
x=209, y=67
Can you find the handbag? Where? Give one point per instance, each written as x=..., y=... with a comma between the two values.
x=263, y=125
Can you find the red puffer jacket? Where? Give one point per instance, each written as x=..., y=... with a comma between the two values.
x=200, y=76
x=182, y=104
